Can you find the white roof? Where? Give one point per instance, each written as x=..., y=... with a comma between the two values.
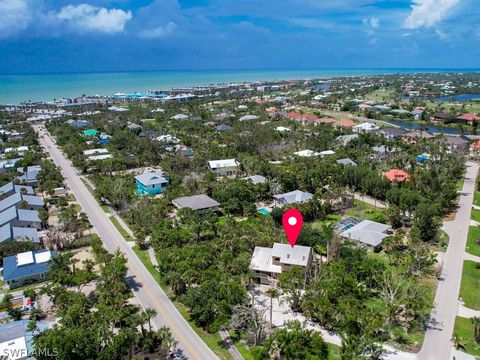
x=248, y=117
x=368, y=232
x=298, y=255
x=262, y=260
x=116, y=108
x=95, y=152
x=218, y=164
x=179, y=117
x=366, y=126
x=100, y=157
x=43, y=257
x=25, y=258
x=282, y=129
x=168, y=138
x=327, y=152
x=306, y=153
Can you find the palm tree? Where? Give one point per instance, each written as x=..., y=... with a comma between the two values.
x=476, y=328
x=457, y=342
x=272, y=293
x=149, y=314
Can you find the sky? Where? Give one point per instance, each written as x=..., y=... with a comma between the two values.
x=42, y=36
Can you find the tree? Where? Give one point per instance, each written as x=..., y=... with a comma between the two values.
x=476, y=328
x=292, y=282
x=272, y=293
x=292, y=343
x=246, y=318
x=426, y=220
x=457, y=342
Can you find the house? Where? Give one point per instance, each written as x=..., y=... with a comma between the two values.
x=304, y=119
x=22, y=201
x=224, y=167
x=9, y=189
x=183, y=150
x=90, y=132
x=292, y=197
x=29, y=177
x=327, y=153
x=151, y=182
x=346, y=123
x=180, y=117
x=469, y=119
x=16, y=339
x=345, y=139
x=346, y=162
x=20, y=218
x=199, y=203
x=396, y=175
x=133, y=127
x=256, y=179
x=20, y=151
x=223, y=127
x=366, y=232
x=415, y=136
x=282, y=129
x=170, y=139
x=8, y=164
x=441, y=117
x=391, y=133
x=26, y=268
x=268, y=263
x=456, y=143
x=97, y=154
x=79, y=123
x=365, y=127
x=248, y=118
x=306, y=153
x=9, y=232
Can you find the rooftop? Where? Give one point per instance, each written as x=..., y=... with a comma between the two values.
x=196, y=202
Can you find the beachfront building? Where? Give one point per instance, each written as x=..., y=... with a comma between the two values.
x=268, y=263
x=151, y=182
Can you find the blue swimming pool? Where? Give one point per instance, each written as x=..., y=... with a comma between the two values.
x=264, y=211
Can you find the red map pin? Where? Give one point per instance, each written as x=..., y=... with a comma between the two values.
x=292, y=221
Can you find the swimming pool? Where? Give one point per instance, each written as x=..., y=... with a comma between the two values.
x=264, y=211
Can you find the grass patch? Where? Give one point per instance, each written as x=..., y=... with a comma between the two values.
x=71, y=197
x=464, y=330
x=476, y=215
x=366, y=211
x=441, y=240
x=214, y=341
x=333, y=352
x=473, y=235
x=459, y=184
x=476, y=198
x=85, y=182
x=470, y=285
x=119, y=227
x=105, y=209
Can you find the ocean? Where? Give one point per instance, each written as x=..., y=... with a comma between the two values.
x=46, y=87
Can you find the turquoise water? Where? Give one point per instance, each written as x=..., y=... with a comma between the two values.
x=460, y=97
x=45, y=87
x=264, y=211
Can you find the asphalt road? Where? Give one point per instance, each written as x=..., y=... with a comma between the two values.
x=436, y=345
x=143, y=285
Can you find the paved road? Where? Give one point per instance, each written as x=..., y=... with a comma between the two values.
x=144, y=286
x=436, y=345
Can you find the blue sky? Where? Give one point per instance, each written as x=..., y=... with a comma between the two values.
x=123, y=35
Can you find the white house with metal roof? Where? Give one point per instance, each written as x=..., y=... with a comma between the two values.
x=269, y=263
x=292, y=197
x=224, y=167
x=367, y=232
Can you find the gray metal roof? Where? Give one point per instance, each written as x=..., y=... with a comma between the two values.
x=257, y=179
x=9, y=187
x=293, y=197
x=28, y=215
x=196, y=202
x=15, y=198
x=298, y=255
x=346, y=161
x=8, y=215
x=7, y=232
x=367, y=232
x=152, y=178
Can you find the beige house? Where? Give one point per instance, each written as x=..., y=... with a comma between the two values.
x=268, y=263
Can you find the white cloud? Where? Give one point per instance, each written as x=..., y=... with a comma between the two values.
x=370, y=25
x=85, y=17
x=15, y=16
x=158, y=32
x=426, y=13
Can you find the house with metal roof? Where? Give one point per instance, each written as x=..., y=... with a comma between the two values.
x=151, y=182
x=366, y=232
x=21, y=201
x=346, y=162
x=292, y=197
x=223, y=127
x=391, y=133
x=224, y=167
x=20, y=218
x=256, y=179
x=268, y=263
x=11, y=188
x=29, y=177
x=26, y=268
x=345, y=139
x=9, y=232
x=199, y=203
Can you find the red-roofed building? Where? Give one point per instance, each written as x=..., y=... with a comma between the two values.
x=475, y=148
x=469, y=119
x=305, y=119
x=397, y=175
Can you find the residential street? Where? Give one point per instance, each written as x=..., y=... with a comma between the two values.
x=437, y=338
x=144, y=286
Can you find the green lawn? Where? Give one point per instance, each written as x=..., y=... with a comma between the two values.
x=470, y=285
x=476, y=198
x=105, y=209
x=464, y=330
x=472, y=246
x=119, y=227
x=366, y=211
x=476, y=215
x=213, y=341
